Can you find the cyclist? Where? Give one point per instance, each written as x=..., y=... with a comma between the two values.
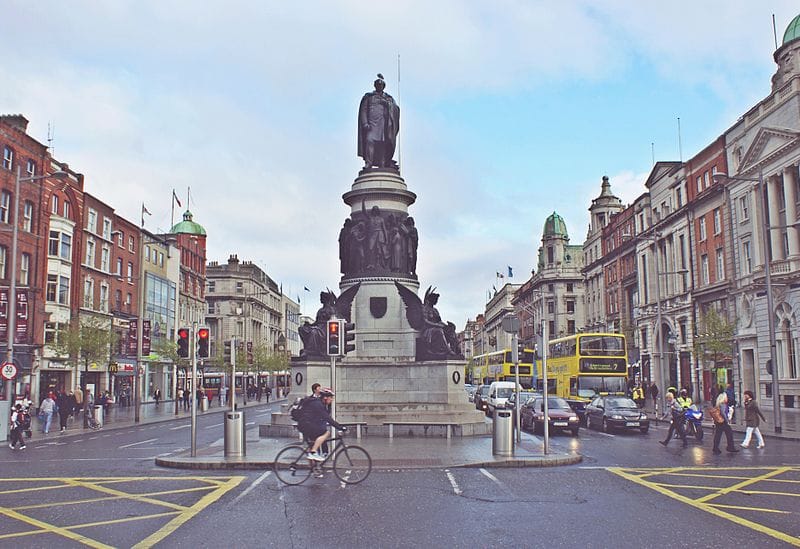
x=315, y=421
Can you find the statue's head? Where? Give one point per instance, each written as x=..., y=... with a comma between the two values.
x=327, y=297
x=409, y=221
x=375, y=211
x=380, y=83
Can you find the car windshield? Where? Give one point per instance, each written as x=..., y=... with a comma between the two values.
x=484, y=390
x=554, y=403
x=504, y=392
x=621, y=403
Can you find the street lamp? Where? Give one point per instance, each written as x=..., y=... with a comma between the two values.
x=12, y=298
x=765, y=228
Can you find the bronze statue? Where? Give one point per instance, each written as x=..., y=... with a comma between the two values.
x=378, y=124
x=437, y=339
x=314, y=335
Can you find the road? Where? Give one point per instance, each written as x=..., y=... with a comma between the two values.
x=102, y=489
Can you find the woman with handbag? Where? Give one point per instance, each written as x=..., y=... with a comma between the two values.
x=720, y=415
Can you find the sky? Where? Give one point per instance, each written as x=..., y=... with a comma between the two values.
x=509, y=111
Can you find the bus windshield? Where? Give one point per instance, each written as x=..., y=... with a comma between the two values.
x=591, y=386
x=602, y=345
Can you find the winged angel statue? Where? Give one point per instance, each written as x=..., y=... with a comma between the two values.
x=437, y=338
x=313, y=335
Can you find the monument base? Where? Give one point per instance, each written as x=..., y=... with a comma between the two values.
x=405, y=398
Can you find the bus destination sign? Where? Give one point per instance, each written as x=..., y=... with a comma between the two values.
x=603, y=365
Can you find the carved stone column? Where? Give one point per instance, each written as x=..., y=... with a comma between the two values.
x=773, y=192
x=790, y=194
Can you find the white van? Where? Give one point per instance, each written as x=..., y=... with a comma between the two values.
x=499, y=391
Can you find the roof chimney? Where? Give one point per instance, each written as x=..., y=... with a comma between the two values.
x=16, y=121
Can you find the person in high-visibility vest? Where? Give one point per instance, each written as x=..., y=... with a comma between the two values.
x=638, y=396
x=684, y=399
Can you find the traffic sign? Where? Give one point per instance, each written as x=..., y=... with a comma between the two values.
x=8, y=370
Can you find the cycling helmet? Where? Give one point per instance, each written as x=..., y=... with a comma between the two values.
x=326, y=392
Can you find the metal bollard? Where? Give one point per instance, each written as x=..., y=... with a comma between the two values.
x=235, y=440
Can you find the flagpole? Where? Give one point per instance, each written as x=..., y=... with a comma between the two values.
x=172, y=212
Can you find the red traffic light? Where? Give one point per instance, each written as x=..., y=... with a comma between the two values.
x=183, y=333
x=203, y=333
x=333, y=326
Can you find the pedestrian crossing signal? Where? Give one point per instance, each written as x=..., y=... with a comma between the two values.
x=334, y=332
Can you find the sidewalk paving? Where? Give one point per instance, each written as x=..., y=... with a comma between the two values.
x=790, y=422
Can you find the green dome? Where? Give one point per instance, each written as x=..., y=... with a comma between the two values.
x=187, y=226
x=555, y=226
x=792, y=31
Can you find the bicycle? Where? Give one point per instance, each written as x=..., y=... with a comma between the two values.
x=351, y=464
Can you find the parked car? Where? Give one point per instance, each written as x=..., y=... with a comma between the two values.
x=561, y=417
x=615, y=413
x=481, y=394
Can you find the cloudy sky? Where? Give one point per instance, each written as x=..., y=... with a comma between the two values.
x=510, y=110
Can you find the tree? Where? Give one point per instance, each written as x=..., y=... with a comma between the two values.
x=88, y=340
x=268, y=360
x=714, y=337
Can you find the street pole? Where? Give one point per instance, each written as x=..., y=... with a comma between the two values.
x=659, y=342
x=193, y=349
x=333, y=388
x=234, y=343
x=544, y=388
x=517, y=402
x=776, y=400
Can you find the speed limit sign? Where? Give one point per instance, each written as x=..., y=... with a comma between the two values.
x=8, y=370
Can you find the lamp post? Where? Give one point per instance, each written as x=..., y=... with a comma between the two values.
x=765, y=228
x=12, y=298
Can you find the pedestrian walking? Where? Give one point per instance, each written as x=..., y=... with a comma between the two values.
x=64, y=404
x=731, y=394
x=752, y=415
x=20, y=420
x=157, y=396
x=223, y=393
x=187, y=398
x=675, y=411
x=721, y=415
x=267, y=393
x=46, y=410
x=654, y=394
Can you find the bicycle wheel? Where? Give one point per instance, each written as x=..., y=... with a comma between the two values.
x=352, y=464
x=291, y=465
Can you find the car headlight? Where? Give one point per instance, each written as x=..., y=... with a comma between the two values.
x=573, y=418
x=616, y=416
x=643, y=416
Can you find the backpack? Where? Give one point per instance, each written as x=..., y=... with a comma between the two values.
x=24, y=420
x=296, y=411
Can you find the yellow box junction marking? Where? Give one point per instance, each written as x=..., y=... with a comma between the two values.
x=210, y=489
x=704, y=503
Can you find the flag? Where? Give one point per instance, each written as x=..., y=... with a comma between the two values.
x=499, y=275
x=144, y=211
x=510, y=272
x=306, y=288
x=175, y=198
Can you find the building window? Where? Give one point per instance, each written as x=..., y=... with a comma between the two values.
x=91, y=221
x=550, y=307
x=679, y=196
x=747, y=260
x=24, y=269
x=131, y=244
x=550, y=255
x=66, y=209
x=5, y=207
x=106, y=228
x=118, y=300
x=3, y=261
x=147, y=253
x=160, y=259
x=644, y=338
x=27, y=216
x=702, y=229
x=211, y=286
x=105, y=258
x=744, y=207
x=720, y=265
x=570, y=327
x=54, y=204
x=705, y=180
x=30, y=168
x=52, y=287
x=58, y=289
x=570, y=287
x=570, y=306
x=699, y=184
x=239, y=287
x=104, y=298
x=51, y=330
x=90, y=252
x=121, y=239
x=704, y=268
x=717, y=221
x=130, y=272
x=8, y=158
x=88, y=293
x=551, y=326
x=119, y=266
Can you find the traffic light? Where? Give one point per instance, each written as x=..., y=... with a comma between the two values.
x=347, y=329
x=227, y=352
x=183, y=342
x=334, y=332
x=202, y=342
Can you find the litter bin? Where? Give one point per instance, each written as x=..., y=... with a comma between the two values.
x=98, y=414
x=503, y=433
x=235, y=441
x=204, y=404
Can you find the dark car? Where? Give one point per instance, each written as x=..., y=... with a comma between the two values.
x=524, y=396
x=560, y=415
x=611, y=413
x=481, y=395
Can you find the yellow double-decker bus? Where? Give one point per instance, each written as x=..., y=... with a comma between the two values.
x=582, y=366
x=497, y=366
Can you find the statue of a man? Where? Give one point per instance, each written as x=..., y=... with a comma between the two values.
x=378, y=124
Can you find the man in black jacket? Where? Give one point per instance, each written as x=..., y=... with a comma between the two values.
x=315, y=421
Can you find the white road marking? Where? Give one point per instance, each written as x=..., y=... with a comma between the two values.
x=249, y=489
x=179, y=427
x=137, y=443
x=215, y=426
x=491, y=477
x=453, y=482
